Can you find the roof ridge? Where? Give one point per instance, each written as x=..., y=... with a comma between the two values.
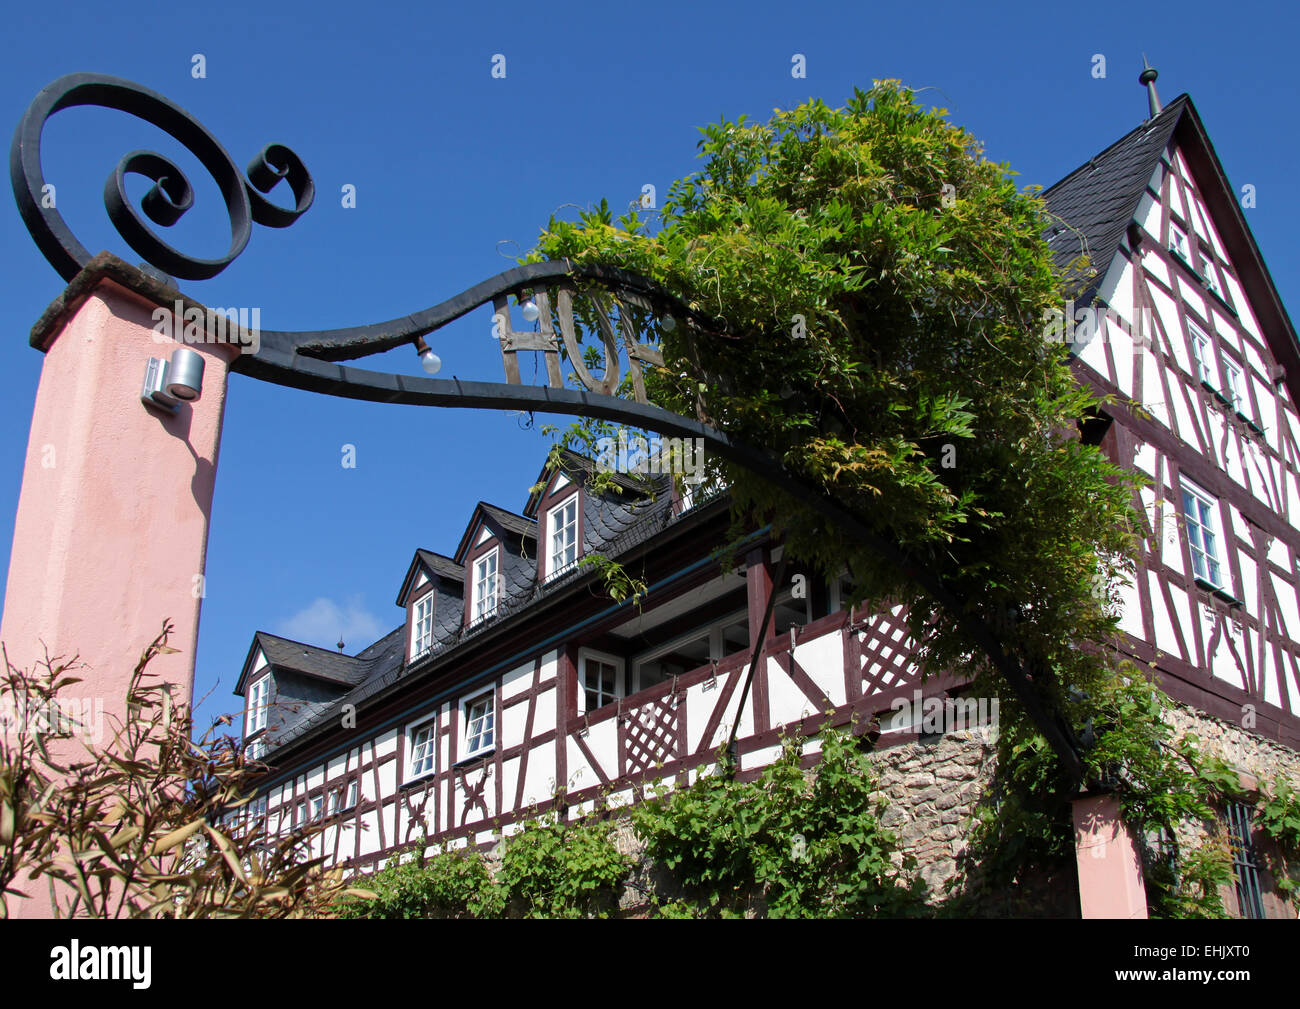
x=1181, y=102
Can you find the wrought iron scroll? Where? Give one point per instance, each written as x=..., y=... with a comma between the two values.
x=171, y=195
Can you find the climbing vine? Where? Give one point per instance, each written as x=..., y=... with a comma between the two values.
x=790, y=844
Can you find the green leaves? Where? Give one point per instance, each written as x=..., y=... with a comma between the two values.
x=879, y=324
x=789, y=844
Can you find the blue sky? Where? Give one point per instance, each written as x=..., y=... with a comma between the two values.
x=456, y=171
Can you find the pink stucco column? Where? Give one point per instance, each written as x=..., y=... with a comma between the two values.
x=1110, y=868
x=112, y=523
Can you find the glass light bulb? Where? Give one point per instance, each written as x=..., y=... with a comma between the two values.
x=430, y=362
x=530, y=311
x=668, y=323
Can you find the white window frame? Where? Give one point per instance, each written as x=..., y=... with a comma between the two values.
x=259, y=696
x=1206, y=519
x=1177, y=247
x=480, y=611
x=257, y=748
x=423, y=765
x=620, y=676
x=300, y=813
x=554, y=564
x=353, y=794
x=1202, y=352
x=422, y=625
x=1233, y=378
x=467, y=707
x=1210, y=272
x=318, y=807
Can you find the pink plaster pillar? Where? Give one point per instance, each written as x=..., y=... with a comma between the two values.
x=1110, y=868
x=112, y=523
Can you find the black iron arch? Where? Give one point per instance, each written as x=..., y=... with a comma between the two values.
x=311, y=360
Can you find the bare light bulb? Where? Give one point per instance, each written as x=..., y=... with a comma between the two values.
x=430, y=362
x=668, y=323
x=530, y=311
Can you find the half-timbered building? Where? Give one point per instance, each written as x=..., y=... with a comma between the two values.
x=515, y=685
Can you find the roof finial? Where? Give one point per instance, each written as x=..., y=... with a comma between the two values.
x=341, y=645
x=1148, y=77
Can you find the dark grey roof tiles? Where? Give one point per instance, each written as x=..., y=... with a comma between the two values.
x=442, y=566
x=511, y=522
x=321, y=663
x=1096, y=202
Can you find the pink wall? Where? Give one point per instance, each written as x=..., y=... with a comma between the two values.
x=112, y=522
x=1110, y=868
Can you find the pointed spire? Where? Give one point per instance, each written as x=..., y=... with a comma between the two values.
x=1148, y=77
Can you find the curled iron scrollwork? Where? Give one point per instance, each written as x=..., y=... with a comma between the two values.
x=171, y=194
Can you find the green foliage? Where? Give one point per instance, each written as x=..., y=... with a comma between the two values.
x=562, y=870
x=1279, y=818
x=783, y=845
x=619, y=585
x=873, y=323
x=450, y=884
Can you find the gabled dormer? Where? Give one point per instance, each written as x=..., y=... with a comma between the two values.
x=556, y=504
x=282, y=680
x=497, y=554
x=432, y=594
x=256, y=683
x=574, y=519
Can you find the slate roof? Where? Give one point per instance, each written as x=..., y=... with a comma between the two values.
x=511, y=522
x=1093, y=205
x=309, y=660
x=443, y=566
x=572, y=463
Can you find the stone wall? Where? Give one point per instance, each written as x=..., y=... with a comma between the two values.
x=934, y=785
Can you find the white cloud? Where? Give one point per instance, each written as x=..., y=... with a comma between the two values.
x=323, y=621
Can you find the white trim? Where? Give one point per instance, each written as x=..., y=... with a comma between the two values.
x=428, y=756
x=477, y=610
x=620, y=677
x=422, y=625
x=1202, y=530
x=1177, y=247
x=259, y=697
x=1202, y=352
x=554, y=566
x=489, y=730
x=1233, y=377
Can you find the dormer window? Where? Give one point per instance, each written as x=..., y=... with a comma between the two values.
x=258, y=697
x=422, y=627
x=562, y=547
x=485, y=584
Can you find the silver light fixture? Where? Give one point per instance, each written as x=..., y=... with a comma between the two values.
x=168, y=384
